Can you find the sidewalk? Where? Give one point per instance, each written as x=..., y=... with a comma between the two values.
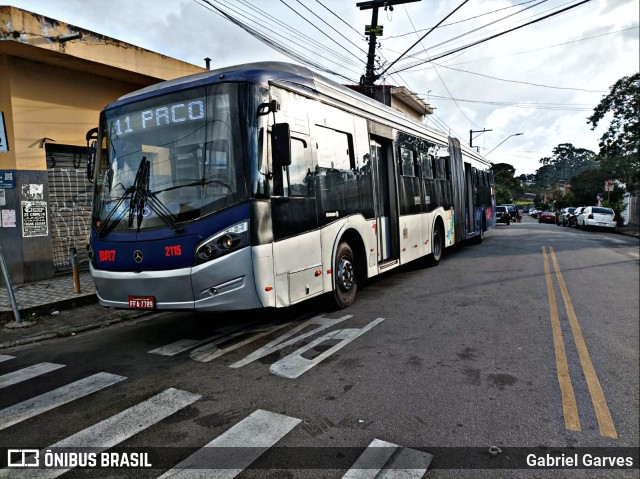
x=52, y=309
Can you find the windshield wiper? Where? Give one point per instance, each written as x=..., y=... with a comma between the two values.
x=140, y=196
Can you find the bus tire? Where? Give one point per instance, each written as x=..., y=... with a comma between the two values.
x=346, y=276
x=480, y=236
x=438, y=247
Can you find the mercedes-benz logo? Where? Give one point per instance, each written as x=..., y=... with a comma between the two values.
x=137, y=255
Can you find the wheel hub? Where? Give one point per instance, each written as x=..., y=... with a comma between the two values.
x=345, y=273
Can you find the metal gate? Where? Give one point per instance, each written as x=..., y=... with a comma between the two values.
x=69, y=204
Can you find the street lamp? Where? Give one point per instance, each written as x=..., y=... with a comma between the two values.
x=515, y=134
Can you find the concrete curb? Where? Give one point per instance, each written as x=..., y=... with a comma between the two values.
x=71, y=330
x=69, y=303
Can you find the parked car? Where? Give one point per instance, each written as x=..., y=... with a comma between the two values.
x=563, y=218
x=502, y=215
x=572, y=217
x=513, y=212
x=597, y=216
x=535, y=213
x=547, y=217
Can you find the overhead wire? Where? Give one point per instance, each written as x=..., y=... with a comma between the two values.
x=325, y=34
x=455, y=50
x=314, y=45
x=538, y=106
x=461, y=21
x=330, y=26
x=439, y=76
x=486, y=25
x=287, y=51
x=423, y=36
x=297, y=33
x=517, y=81
x=522, y=52
x=439, y=123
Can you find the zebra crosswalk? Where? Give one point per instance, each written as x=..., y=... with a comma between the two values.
x=292, y=365
x=224, y=457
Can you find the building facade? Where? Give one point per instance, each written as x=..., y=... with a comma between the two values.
x=55, y=79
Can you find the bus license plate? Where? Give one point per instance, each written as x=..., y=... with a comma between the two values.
x=142, y=302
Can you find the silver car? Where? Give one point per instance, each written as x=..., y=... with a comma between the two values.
x=596, y=216
x=565, y=213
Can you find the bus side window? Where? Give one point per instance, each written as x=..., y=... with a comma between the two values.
x=408, y=162
x=301, y=170
x=335, y=149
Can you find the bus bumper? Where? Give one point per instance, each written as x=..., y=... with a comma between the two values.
x=223, y=284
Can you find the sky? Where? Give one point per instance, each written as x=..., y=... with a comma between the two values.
x=542, y=80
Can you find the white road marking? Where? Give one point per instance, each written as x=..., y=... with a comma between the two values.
x=398, y=463
x=295, y=365
x=243, y=444
x=210, y=351
x=4, y=357
x=372, y=460
x=24, y=374
x=182, y=345
x=177, y=347
x=118, y=428
x=278, y=344
x=52, y=399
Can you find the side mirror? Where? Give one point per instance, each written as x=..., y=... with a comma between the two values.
x=92, y=136
x=281, y=143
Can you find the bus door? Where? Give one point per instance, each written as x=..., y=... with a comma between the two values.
x=469, y=197
x=386, y=210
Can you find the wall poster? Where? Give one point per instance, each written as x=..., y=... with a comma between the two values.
x=34, y=219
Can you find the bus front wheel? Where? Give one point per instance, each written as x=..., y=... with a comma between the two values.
x=346, y=276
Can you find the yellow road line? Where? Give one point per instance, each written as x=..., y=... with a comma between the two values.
x=603, y=415
x=569, y=407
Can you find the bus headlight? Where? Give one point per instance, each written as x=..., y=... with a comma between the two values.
x=223, y=242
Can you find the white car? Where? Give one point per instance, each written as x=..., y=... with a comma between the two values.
x=596, y=216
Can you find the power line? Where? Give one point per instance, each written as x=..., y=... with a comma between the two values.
x=496, y=35
x=297, y=34
x=462, y=21
x=304, y=59
x=439, y=76
x=520, y=82
x=331, y=27
x=542, y=48
x=325, y=34
x=423, y=36
x=537, y=106
x=453, y=40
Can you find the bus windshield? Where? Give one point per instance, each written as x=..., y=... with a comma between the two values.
x=187, y=151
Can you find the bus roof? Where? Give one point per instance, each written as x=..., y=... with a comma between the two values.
x=301, y=79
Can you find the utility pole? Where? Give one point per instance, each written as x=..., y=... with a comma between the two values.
x=374, y=31
x=471, y=132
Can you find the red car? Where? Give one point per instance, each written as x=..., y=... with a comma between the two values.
x=547, y=217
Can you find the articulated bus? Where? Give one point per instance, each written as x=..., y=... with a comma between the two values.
x=265, y=184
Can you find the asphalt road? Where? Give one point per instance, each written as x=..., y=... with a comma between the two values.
x=527, y=342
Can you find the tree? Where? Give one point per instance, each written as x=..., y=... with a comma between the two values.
x=586, y=186
x=619, y=144
x=566, y=161
x=507, y=187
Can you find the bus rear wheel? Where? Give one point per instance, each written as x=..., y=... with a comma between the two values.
x=346, y=276
x=438, y=246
